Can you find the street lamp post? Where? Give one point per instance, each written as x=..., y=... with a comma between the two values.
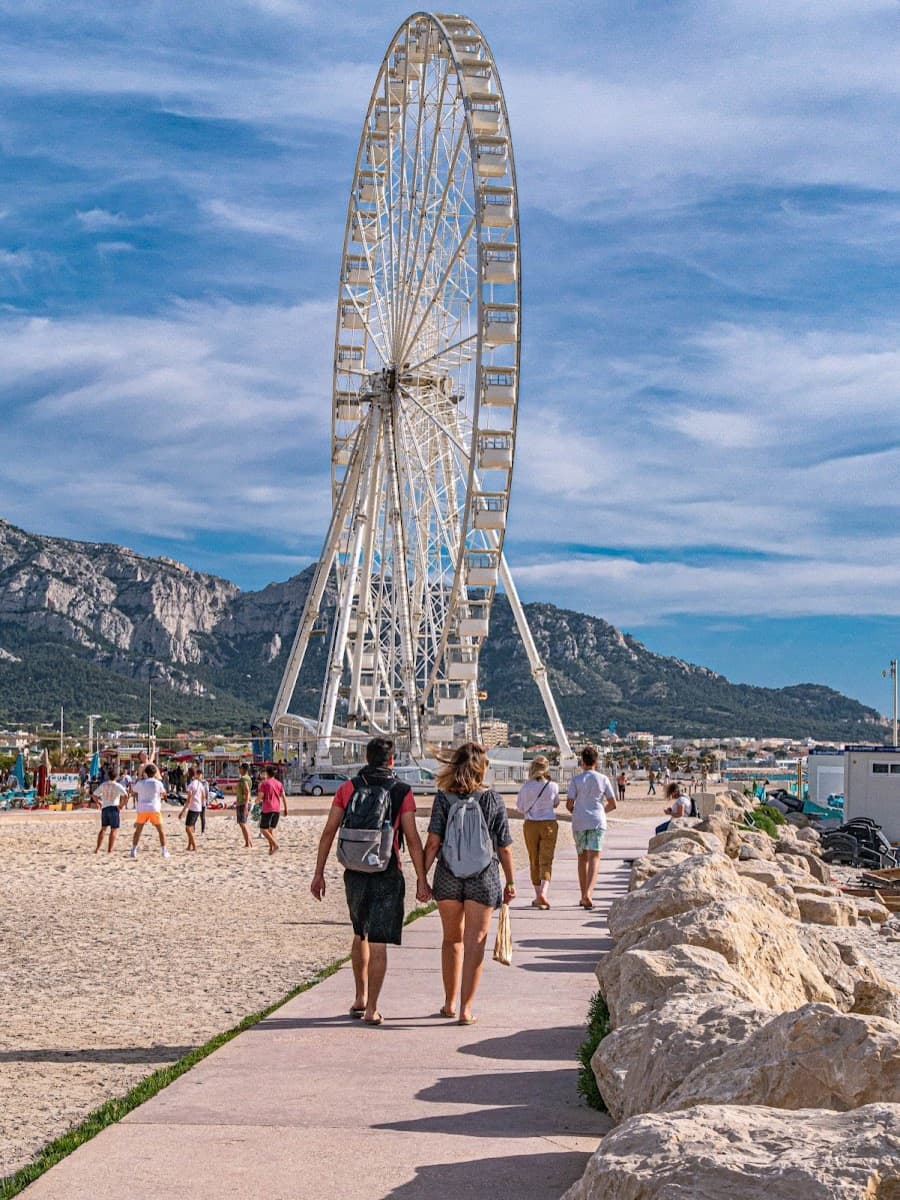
x=91, y=719
x=892, y=671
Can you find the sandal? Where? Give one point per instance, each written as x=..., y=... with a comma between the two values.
x=378, y=1019
x=473, y=1020
x=356, y=1012
x=443, y=1011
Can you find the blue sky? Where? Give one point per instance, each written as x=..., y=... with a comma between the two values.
x=709, y=450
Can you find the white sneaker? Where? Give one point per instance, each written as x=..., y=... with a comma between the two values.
x=133, y=852
x=165, y=853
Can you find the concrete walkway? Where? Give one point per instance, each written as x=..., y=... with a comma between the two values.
x=311, y=1105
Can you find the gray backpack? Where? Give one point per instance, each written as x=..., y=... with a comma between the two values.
x=366, y=834
x=466, y=847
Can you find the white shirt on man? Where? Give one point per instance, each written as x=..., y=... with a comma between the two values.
x=197, y=792
x=110, y=793
x=149, y=794
x=589, y=789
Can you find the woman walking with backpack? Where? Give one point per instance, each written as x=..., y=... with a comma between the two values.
x=469, y=836
x=537, y=801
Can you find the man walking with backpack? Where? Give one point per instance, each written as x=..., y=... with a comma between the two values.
x=371, y=815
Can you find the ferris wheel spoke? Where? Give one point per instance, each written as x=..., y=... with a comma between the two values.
x=450, y=434
x=449, y=535
x=453, y=261
x=439, y=354
x=427, y=173
x=422, y=222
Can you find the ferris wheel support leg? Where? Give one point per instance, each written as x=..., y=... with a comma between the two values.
x=538, y=670
x=350, y=587
x=400, y=591
x=365, y=598
x=315, y=594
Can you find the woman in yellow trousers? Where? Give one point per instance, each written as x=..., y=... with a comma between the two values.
x=537, y=802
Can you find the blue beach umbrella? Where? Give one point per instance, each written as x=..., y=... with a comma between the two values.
x=19, y=770
x=95, y=765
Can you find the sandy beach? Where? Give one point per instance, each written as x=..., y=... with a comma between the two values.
x=114, y=967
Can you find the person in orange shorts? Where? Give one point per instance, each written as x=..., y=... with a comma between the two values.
x=149, y=793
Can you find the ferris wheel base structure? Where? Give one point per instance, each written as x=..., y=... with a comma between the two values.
x=424, y=405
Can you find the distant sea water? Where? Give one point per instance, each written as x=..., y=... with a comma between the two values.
x=744, y=773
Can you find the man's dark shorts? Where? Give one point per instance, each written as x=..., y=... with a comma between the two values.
x=269, y=820
x=376, y=904
x=241, y=814
x=110, y=817
x=191, y=819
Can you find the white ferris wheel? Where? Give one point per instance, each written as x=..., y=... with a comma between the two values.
x=426, y=372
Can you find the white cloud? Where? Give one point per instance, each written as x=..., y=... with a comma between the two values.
x=628, y=592
x=264, y=222
x=210, y=417
x=100, y=220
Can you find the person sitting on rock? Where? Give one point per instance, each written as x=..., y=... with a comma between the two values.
x=679, y=805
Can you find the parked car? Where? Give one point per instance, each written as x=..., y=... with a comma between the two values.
x=322, y=783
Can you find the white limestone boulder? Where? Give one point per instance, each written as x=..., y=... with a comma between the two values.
x=812, y=1057
x=640, y=1064
x=764, y=948
x=826, y=910
x=648, y=865
x=685, y=833
x=689, y=884
x=748, y=1153
x=638, y=981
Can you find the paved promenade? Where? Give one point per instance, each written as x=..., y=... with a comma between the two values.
x=311, y=1105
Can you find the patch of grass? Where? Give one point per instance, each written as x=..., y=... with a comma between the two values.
x=598, y=1028
x=423, y=910
x=776, y=817
x=114, y=1110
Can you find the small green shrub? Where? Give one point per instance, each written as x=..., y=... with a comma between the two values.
x=776, y=817
x=759, y=820
x=597, y=1029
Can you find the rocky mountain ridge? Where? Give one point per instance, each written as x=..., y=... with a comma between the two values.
x=88, y=624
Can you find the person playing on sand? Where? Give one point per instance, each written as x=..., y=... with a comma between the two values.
x=149, y=793
x=273, y=803
x=375, y=899
x=112, y=798
x=242, y=808
x=193, y=807
x=588, y=794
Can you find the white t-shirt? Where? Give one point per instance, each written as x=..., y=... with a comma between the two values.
x=681, y=806
x=537, y=799
x=197, y=791
x=110, y=793
x=149, y=794
x=588, y=789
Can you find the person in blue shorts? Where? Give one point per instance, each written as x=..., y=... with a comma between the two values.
x=589, y=794
x=112, y=798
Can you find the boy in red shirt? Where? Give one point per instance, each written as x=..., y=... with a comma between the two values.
x=273, y=802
